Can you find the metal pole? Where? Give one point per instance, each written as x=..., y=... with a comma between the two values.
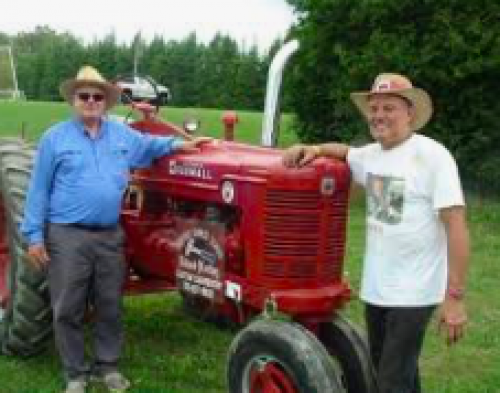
x=135, y=61
x=137, y=51
x=14, y=75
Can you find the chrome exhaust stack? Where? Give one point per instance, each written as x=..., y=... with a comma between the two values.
x=270, y=122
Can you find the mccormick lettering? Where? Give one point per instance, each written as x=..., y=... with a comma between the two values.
x=189, y=169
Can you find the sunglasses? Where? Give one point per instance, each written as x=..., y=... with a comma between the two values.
x=96, y=97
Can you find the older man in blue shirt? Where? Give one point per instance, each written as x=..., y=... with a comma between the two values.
x=71, y=221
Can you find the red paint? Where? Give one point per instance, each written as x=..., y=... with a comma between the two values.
x=278, y=237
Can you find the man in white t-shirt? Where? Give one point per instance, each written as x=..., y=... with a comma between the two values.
x=417, y=244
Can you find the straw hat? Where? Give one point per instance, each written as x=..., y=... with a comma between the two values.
x=89, y=76
x=400, y=86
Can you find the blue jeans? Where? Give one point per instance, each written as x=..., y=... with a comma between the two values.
x=395, y=336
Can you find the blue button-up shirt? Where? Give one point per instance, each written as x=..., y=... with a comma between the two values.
x=81, y=180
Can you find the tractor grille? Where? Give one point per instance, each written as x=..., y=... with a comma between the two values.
x=297, y=244
x=335, y=236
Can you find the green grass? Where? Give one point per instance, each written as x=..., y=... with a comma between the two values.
x=167, y=351
x=32, y=118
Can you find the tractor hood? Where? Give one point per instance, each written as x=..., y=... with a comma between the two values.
x=222, y=160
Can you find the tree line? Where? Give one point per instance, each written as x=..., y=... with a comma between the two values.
x=451, y=48
x=219, y=74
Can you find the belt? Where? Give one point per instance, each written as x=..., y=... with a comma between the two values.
x=94, y=228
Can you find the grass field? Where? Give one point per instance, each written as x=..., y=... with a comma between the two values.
x=32, y=118
x=167, y=351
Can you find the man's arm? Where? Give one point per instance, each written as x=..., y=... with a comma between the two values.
x=300, y=155
x=146, y=147
x=36, y=205
x=453, y=315
x=193, y=145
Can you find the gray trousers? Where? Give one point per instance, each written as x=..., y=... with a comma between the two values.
x=86, y=267
x=396, y=335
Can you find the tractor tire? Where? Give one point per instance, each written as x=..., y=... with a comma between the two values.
x=25, y=314
x=199, y=308
x=279, y=356
x=348, y=347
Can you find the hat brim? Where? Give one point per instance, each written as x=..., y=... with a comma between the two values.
x=68, y=88
x=418, y=97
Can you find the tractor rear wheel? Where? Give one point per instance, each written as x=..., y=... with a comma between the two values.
x=25, y=315
x=349, y=349
x=279, y=356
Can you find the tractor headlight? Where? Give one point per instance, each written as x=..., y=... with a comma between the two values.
x=327, y=186
x=191, y=125
x=227, y=191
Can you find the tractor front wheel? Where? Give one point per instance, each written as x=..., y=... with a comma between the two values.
x=349, y=349
x=279, y=356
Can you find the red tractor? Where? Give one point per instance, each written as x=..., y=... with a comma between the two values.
x=240, y=236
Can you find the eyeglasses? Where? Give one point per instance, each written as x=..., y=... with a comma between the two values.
x=96, y=97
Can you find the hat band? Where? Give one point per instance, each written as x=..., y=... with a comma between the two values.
x=386, y=86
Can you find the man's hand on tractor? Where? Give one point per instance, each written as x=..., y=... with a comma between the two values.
x=38, y=256
x=300, y=155
x=452, y=318
x=193, y=145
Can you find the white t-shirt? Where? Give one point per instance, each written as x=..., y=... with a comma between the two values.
x=405, y=261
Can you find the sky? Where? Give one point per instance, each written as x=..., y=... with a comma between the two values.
x=248, y=22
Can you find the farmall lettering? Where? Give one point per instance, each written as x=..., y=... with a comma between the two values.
x=189, y=169
x=201, y=262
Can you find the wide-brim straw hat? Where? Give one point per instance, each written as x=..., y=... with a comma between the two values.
x=398, y=85
x=89, y=76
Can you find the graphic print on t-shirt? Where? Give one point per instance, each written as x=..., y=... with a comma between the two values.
x=385, y=198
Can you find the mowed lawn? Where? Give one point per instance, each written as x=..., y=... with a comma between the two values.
x=168, y=351
x=32, y=118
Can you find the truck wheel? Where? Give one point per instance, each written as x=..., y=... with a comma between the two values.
x=163, y=99
x=278, y=356
x=350, y=350
x=25, y=315
x=126, y=97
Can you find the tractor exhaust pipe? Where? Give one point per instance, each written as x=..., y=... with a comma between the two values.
x=270, y=123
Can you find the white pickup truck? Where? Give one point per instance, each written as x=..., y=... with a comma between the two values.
x=139, y=88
